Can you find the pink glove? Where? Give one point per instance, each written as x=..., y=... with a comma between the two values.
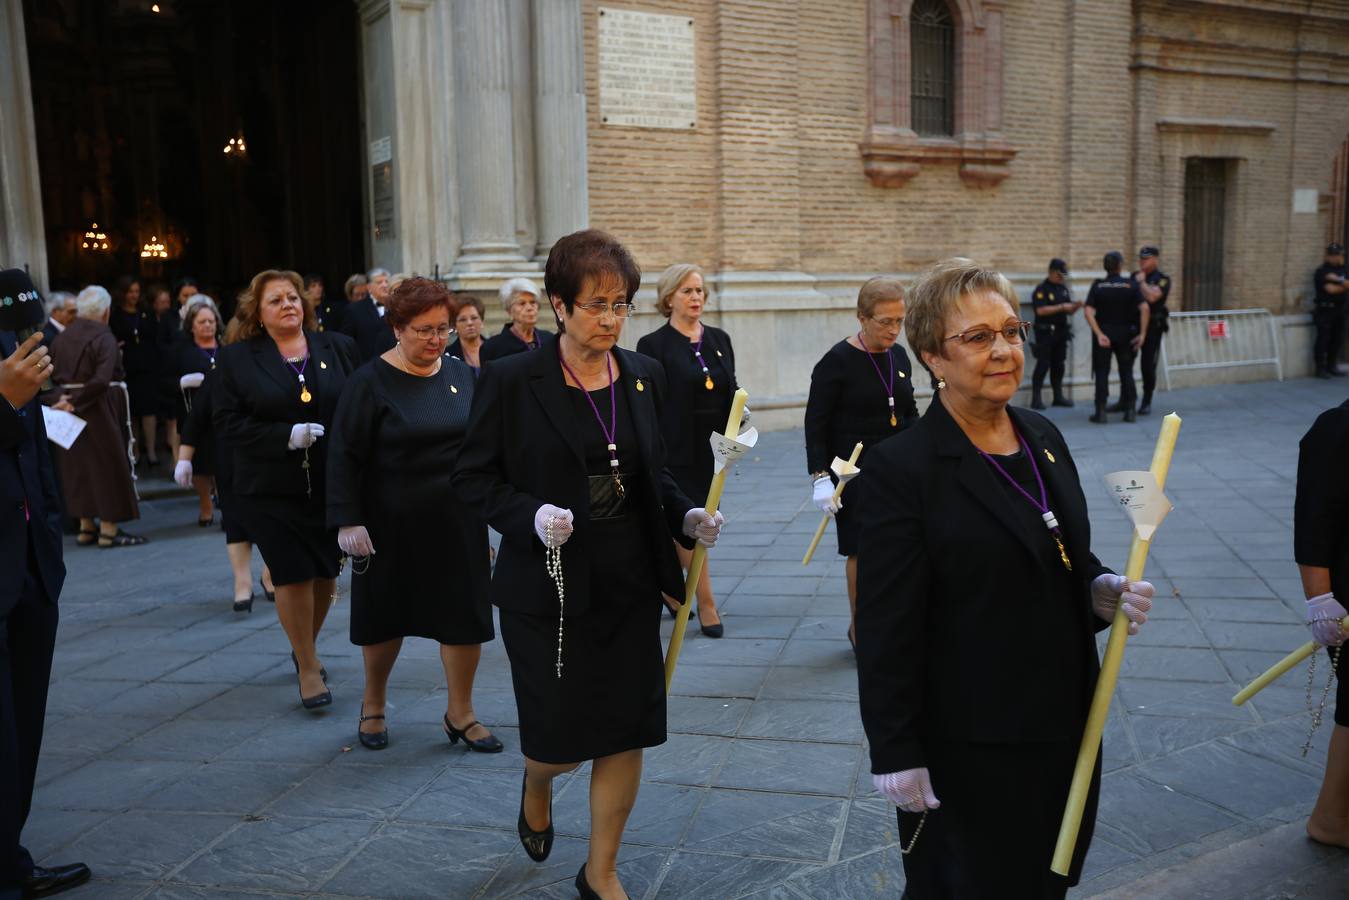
x=1109, y=592
x=1323, y=615
x=910, y=790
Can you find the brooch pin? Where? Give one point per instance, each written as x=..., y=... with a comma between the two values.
x=640, y=386
x=322, y=364
x=453, y=389
x=1049, y=456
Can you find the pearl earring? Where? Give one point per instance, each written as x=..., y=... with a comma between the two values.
x=941, y=383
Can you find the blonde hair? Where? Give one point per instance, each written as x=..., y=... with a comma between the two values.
x=669, y=282
x=878, y=290
x=937, y=295
x=249, y=311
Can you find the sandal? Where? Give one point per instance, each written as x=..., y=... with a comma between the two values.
x=87, y=538
x=120, y=539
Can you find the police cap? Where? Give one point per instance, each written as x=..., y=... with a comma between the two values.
x=1147, y=251
x=1058, y=265
x=1335, y=249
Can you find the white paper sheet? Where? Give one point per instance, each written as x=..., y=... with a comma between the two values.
x=1137, y=493
x=62, y=427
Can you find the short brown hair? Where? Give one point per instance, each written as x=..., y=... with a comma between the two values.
x=669, y=282
x=937, y=295
x=249, y=311
x=354, y=282
x=878, y=290
x=587, y=254
x=415, y=296
x=470, y=300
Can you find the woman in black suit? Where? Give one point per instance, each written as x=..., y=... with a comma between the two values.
x=974, y=728
x=564, y=450
x=275, y=399
x=861, y=390
x=137, y=335
x=699, y=368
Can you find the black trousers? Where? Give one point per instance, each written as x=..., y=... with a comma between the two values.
x=1329, y=321
x=1051, y=353
x=1122, y=351
x=27, y=640
x=1150, y=352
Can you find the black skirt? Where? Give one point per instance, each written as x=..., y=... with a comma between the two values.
x=845, y=523
x=994, y=834
x=291, y=535
x=611, y=696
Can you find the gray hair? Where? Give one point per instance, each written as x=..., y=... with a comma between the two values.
x=93, y=302
x=56, y=301
x=196, y=305
x=514, y=286
x=375, y=273
x=352, y=282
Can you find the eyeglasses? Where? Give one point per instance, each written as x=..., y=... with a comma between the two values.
x=889, y=324
x=984, y=338
x=427, y=332
x=598, y=308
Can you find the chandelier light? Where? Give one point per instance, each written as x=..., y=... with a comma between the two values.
x=94, y=240
x=154, y=249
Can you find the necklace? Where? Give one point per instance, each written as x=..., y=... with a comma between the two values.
x=612, y=428
x=553, y=559
x=407, y=366
x=698, y=352
x=209, y=353
x=889, y=385
x=305, y=396
x=1042, y=504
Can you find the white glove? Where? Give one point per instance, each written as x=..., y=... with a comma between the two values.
x=304, y=435
x=182, y=473
x=1110, y=591
x=703, y=527
x=1323, y=615
x=910, y=790
x=562, y=524
x=355, y=541
x=191, y=380
x=823, y=496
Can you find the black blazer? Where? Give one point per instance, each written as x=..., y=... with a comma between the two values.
x=671, y=349
x=30, y=509
x=943, y=567
x=505, y=344
x=1321, y=510
x=256, y=400
x=363, y=324
x=523, y=449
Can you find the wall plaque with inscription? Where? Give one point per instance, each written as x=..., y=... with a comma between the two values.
x=647, y=72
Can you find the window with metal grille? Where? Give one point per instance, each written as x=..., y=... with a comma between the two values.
x=932, y=45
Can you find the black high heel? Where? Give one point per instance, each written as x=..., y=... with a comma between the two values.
x=672, y=610
x=538, y=844
x=270, y=595
x=583, y=887
x=244, y=605
x=376, y=741
x=489, y=744
x=316, y=702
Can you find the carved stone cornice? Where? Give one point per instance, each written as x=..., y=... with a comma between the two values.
x=890, y=157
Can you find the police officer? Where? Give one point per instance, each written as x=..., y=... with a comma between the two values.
x=1328, y=314
x=1155, y=286
x=1053, y=304
x=1118, y=317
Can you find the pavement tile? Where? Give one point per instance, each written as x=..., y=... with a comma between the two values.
x=706, y=715
x=480, y=798
x=877, y=874
x=659, y=817
x=1230, y=778
x=818, y=720
x=422, y=861
x=805, y=683
x=685, y=759
x=229, y=787
x=759, y=824
x=106, y=784
x=278, y=854
x=693, y=679
x=146, y=845
x=1142, y=817
x=790, y=766
x=722, y=876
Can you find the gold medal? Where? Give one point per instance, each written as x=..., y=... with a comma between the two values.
x=893, y=420
x=640, y=386
x=305, y=396
x=708, y=383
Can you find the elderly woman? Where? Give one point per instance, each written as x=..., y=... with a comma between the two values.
x=973, y=517
x=192, y=358
x=520, y=299
x=565, y=458
x=274, y=402
x=700, y=370
x=861, y=390
x=95, y=471
x=1321, y=546
x=395, y=437
x=468, y=326
x=137, y=334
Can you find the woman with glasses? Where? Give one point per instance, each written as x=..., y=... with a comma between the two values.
x=700, y=370
x=979, y=598
x=860, y=390
x=565, y=458
x=520, y=299
x=419, y=556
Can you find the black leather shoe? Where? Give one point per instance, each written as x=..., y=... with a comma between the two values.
x=538, y=844
x=672, y=610
x=1145, y=408
x=712, y=631
x=318, y=701
x=583, y=887
x=1118, y=406
x=244, y=605
x=49, y=882
x=1036, y=402
x=489, y=744
x=1130, y=415
x=1099, y=418
x=377, y=740
x=1060, y=400
x=270, y=595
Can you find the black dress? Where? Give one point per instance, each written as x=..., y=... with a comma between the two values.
x=188, y=358
x=394, y=442
x=211, y=457
x=611, y=696
x=170, y=337
x=138, y=335
x=848, y=403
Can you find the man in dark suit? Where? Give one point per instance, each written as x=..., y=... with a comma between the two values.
x=60, y=313
x=363, y=321
x=31, y=575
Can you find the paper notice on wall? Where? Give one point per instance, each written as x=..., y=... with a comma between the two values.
x=726, y=452
x=1141, y=499
x=62, y=427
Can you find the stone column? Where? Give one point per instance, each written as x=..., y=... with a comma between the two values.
x=23, y=240
x=485, y=135
x=560, y=120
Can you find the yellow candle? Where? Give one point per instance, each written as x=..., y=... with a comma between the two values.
x=824, y=520
x=1279, y=668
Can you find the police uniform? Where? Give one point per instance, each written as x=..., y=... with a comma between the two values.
x=1157, y=326
x=1115, y=299
x=1328, y=316
x=1052, y=333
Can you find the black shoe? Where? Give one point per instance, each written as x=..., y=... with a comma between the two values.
x=318, y=701
x=1099, y=418
x=1060, y=400
x=323, y=672
x=270, y=595
x=244, y=605
x=538, y=844
x=672, y=610
x=1036, y=402
x=583, y=887
x=712, y=631
x=371, y=741
x=489, y=744
x=1145, y=408
x=49, y=882
x=1130, y=415
x=1117, y=406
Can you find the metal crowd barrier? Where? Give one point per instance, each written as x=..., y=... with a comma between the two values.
x=130, y=431
x=1220, y=339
